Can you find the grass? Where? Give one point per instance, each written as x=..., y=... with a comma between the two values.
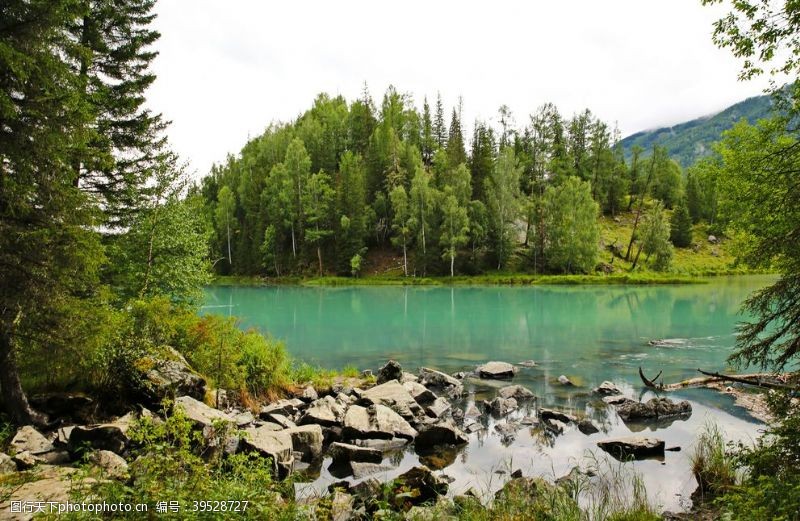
x=712, y=463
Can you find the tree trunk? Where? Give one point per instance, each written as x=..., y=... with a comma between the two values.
x=228, y=226
x=636, y=260
x=405, y=260
x=319, y=258
x=16, y=402
x=452, y=261
x=294, y=250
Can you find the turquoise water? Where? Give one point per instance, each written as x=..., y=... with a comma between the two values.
x=588, y=333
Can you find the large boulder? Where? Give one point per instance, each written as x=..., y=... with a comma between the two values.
x=422, y=485
x=111, y=436
x=377, y=421
x=633, y=447
x=653, y=409
x=275, y=445
x=307, y=439
x=167, y=374
x=110, y=464
x=391, y=371
x=552, y=414
x=65, y=406
x=419, y=392
x=7, y=464
x=392, y=394
x=444, y=433
x=607, y=389
x=496, y=371
x=201, y=414
x=443, y=382
x=288, y=407
x=325, y=411
x=438, y=408
x=517, y=392
x=344, y=453
x=29, y=439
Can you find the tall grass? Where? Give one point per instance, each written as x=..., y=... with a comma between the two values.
x=712, y=463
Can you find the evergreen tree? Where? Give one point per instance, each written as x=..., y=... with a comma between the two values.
x=225, y=219
x=351, y=209
x=456, y=154
x=298, y=170
x=572, y=229
x=502, y=195
x=361, y=122
x=681, y=225
x=694, y=198
x=318, y=201
x=481, y=161
x=439, y=128
x=427, y=139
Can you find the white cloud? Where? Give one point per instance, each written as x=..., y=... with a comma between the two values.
x=226, y=69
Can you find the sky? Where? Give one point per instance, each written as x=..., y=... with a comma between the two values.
x=225, y=70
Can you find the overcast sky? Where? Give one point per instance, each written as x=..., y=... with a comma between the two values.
x=226, y=69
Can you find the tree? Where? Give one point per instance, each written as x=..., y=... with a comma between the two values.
x=455, y=227
x=502, y=194
x=225, y=217
x=681, y=225
x=651, y=168
x=402, y=222
x=481, y=160
x=298, y=170
x=655, y=239
x=572, y=229
x=694, y=198
x=422, y=206
x=351, y=209
x=427, y=139
x=439, y=128
x=456, y=154
x=318, y=201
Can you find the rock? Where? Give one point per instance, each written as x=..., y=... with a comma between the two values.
x=496, y=371
x=110, y=464
x=563, y=380
x=72, y=407
x=667, y=342
x=377, y=421
x=244, y=419
x=515, y=391
x=391, y=371
x=306, y=439
x=309, y=394
x=443, y=433
x=366, y=373
x=502, y=406
x=438, y=408
x=369, y=489
x=408, y=377
x=617, y=399
x=107, y=436
x=457, y=415
x=28, y=439
x=325, y=411
x=382, y=445
x=393, y=395
x=523, y=487
x=422, y=486
x=279, y=419
x=52, y=485
x=274, y=445
x=472, y=411
x=201, y=414
x=527, y=363
x=344, y=453
x=419, y=392
x=288, y=407
x=507, y=431
x=55, y=457
x=165, y=375
x=587, y=426
x=24, y=460
x=552, y=414
x=441, y=381
x=653, y=409
x=341, y=506
x=7, y=464
x=635, y=447
x=712, y=239
x=607, y=389
x=555, y=426
x=62, y=434
x=575, y=475
x=361, y=469
x=459, y=375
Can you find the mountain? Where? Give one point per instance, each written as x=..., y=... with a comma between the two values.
x=687, y=142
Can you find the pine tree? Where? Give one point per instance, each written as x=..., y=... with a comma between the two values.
x=427, y=139
x=318, y=201
x=351, y=209
x=439, y=128
x=298, y=170
x=481, y=161
x=456, y=154
x=681, y=225
x=402, y=222
x=694, y=198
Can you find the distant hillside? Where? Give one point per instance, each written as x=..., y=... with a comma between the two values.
x=687, y=142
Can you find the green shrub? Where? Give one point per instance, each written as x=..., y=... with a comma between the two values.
x=265, y=364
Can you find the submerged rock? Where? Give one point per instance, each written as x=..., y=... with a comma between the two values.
x=563, y=380
x=496, y=371
x=391, y=371
x=653, y=409
x=587, y=426
x=527, y=363
x=552, y=414
x=444, y=433
x=607, y=389
x=502, y=406
x=635, y=447
x=516, y=391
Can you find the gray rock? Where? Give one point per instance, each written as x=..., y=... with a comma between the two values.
x=306, y=439
x=443, y=433
x=344, y=453
x=393, y=395
x=25, y=460
x=275, y=445
x=441, y=381
x=377, y=421
x=107, y=436
x=7, y=464
x=607, y=389
x=496, y=371
x=552, y=414
x=55, y=457
x=554, y=426
x=472, y=411
x=712, y=239
x=325, y=411
x=362, y=469
x=636, y=447
x=168, y=374
x=587, y=426
x=507, y=431
x=288, y=407
x=341, y=506
x=502, y=406
x=563, y=380
x=391, y=371
x=62, y=434
x=310, y=394
x=244, y=419
x=438, y=408
x=653, y=409
x=279, y=419
x=28, y=439
x=408, y=377
x=382, y=445
x=617, y=399
x=201, y=414
x=423, y=485
x=515, y=391
x=419, y=392
x=110, y=464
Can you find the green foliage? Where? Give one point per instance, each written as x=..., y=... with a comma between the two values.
x=655, y=238
x=502, y=192
x=681, y=226
x=571, y=224
x=712, y=462
x=455, y=228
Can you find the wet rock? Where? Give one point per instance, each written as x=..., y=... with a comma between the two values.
x=275, y=445
x=552, y=414
x=438, y=408
x=443, y=433
x=653, y=409
x=377, y=421
x=472, y=411
x=507, y=431
x=167, y=374
x=607, y=389
x=496, y=371
x=309, y=394
x=110, y=464
x=527, y=363
x=7, y=464
x=502, y=406
x=288, y=407
x=635, y=447
x=617, y=399
x=344, y=453
x=459, y=375
x=554, y=426
x=362, y=469
x=422, y=486
x=325, y=411
x=563, y=380
x=107, y=436
x=368, y=489
x=201, y=414
x=28, y=439
x=587, y=426
x=279, y=419
x=306, y=439
x=391, y=371
x=393, y=395
x=419, y=392
x=441, y=381
x=517, y=392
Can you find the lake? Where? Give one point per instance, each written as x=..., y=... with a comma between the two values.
x=588, y=333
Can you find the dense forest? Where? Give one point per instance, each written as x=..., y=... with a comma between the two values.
x=314, y=195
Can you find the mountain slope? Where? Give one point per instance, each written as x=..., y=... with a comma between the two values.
x=687, y=142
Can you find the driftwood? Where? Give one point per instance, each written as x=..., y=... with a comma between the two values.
x=650, y=383
x=756, y=379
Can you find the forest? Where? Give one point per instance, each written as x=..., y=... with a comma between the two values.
x=315, y=195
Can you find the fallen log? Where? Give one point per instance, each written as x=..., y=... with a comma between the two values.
x=755, y=379
x=745, y=379
x=651, y=383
